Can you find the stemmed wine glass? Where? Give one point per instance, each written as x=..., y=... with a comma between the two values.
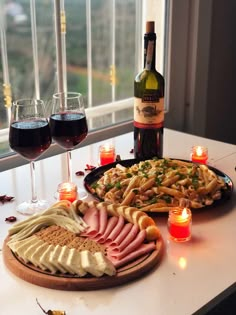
x=30, y=137
x=68, y=125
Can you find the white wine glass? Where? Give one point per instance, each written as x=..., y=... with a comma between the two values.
x=30, y=137
x=69, y=126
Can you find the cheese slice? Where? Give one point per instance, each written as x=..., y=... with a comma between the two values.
x=89, y=263
x=31, y=249
x=44, y=259
x=35, y=258
x=62, y=259
x=74, y=262
x=23, y=247
x=16, y=244
x=53, y=259
x=104, y=264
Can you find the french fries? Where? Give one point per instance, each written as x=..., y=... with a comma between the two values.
x=158, y=185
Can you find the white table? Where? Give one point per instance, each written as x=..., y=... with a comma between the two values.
x=189, y=274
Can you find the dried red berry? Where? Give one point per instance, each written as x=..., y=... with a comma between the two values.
x=118, y=158
x=10, y=219
x=79, y=173
x=89, y=167
x=5, y=198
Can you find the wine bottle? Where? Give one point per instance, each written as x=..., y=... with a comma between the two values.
x=148, y=103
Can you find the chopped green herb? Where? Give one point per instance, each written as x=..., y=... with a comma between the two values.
x=158, y=181
x=166, y=198
x=108, y=187
x=128, y=175
x=118, y=185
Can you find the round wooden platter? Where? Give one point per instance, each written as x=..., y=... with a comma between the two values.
x=125, y=274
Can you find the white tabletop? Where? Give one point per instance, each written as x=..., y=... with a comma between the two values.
x=189, y=274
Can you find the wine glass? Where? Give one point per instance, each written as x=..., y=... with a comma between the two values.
x=30, y=137
x=69, y=125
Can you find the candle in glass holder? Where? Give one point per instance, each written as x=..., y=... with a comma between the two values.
x=67, y=191
x=180, y=224
x=199, y=154
x=106, y=154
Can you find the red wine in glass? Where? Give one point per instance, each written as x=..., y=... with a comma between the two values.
x=29, y=136
x=68, y=129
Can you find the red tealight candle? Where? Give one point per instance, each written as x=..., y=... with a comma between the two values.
x=199, y=154
x=106, y=154
x=179, y=224
x=67, y=191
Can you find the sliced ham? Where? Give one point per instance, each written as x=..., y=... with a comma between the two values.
x=91, y=217
x=125, y=231
x=142, y=250
x=102, y=223
x=127, y=240
x=111, y=223
x=116, y=231
x=131, y=247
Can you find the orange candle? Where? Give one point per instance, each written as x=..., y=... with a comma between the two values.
x=106, y=154
x=199, y=154
x=67, y=191
x=179, y=224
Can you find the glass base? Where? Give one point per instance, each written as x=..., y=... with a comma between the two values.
x=180, y=239
x=29, y=207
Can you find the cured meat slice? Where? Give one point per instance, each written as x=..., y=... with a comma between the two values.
x=91, y=218
x=131, y=247
x=142, y=250
x=116, y=231
x=128, y=239
x=125, y=231
x=111, y=223
x=102, y=220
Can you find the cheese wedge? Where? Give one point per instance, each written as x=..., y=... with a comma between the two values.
x=31, y=249
x=35, y=258
x=62, y=259
x=44, y=259
x=23, y=247
x=89, y=263
x=74, y=262
x=104, y=264
x=14, y=246
x=53, y=259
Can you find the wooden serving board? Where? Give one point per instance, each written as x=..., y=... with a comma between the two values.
x=131, y=271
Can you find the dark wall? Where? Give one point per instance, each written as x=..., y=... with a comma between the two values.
x=221, y=94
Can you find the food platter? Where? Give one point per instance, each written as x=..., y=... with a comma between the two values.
x=91, y=179
x=84, y=246
x=125, y=274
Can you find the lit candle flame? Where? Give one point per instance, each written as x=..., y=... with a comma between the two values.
x=184, y=214
x=199, y=151
x=107, y=147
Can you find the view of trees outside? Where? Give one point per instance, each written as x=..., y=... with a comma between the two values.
x=20, y=58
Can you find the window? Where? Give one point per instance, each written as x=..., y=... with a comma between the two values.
x=101, y=53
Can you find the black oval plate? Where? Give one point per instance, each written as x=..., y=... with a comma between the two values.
x=97, y=173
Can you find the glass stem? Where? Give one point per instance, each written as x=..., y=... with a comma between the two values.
x=33, y=186
x=69, y=166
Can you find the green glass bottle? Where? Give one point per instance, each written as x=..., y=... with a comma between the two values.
x=148, y=103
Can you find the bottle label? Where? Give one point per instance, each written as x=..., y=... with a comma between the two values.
x=149, y=111
x=150, y=49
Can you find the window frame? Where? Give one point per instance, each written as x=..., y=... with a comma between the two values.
x=14, y=160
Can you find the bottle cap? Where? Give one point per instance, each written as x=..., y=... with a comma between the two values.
x=150, y=26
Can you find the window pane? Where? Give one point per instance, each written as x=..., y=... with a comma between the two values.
x=103, y=53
